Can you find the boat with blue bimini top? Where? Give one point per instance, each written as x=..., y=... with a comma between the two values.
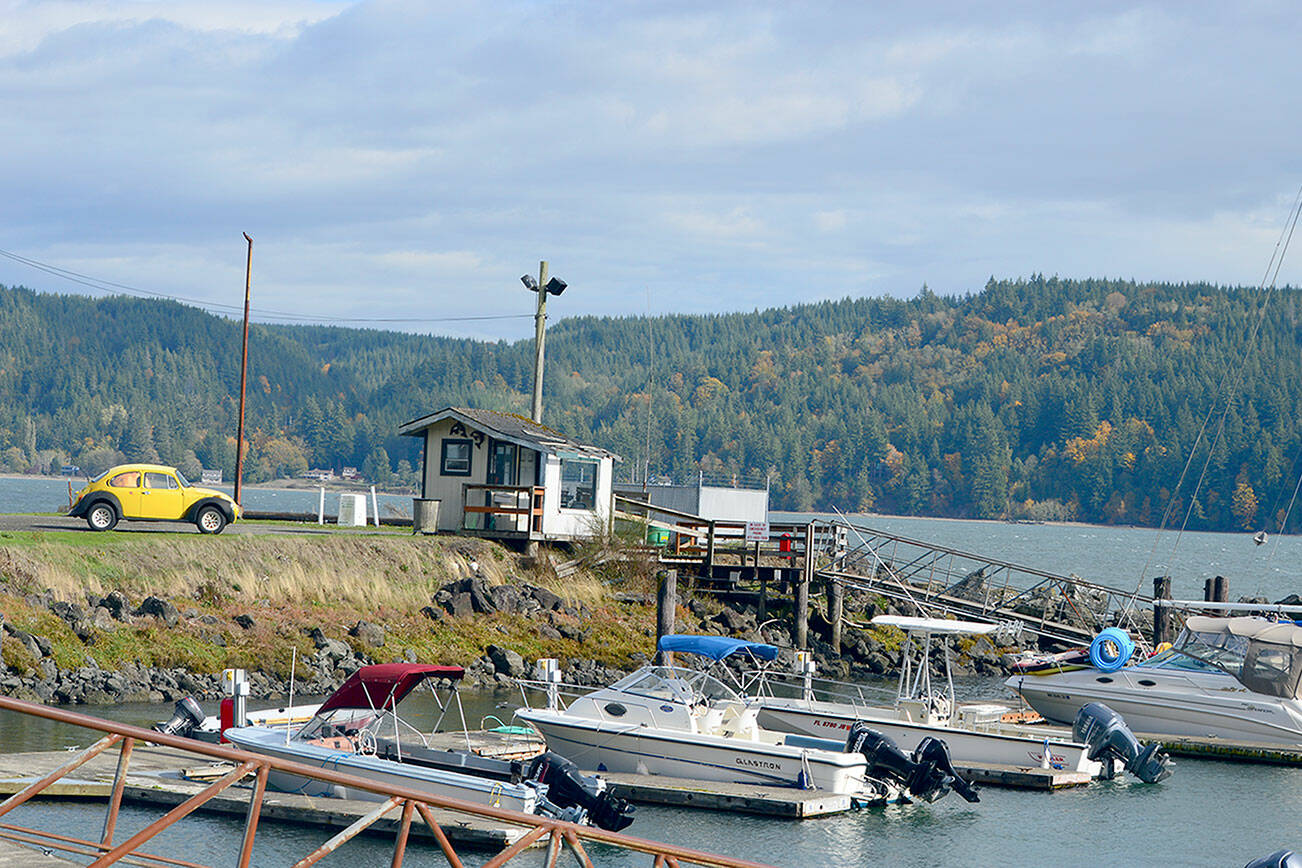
x=977, y=733
x=358, y=730
x=1230, y=678
x=687, y=723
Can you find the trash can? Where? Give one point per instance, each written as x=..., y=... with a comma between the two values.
x=657, y=536
x=424, y=515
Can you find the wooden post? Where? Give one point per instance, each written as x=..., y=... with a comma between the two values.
x=709, y=550
x=1221, y=589
x=802, y=592
x=835, y=605
x=1209, y=590
x=763, y=599
x=666, y=604
x=1161, y=613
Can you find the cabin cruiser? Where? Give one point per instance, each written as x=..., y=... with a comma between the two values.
x=976, y=733
x=687, y=723
x=358, y=731
x=1231, y=678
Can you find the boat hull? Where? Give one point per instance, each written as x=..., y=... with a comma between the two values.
x=1162, y=703
x=833, y=720
x=436, y=782
x=602, y=746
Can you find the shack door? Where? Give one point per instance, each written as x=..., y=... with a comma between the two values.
x=501, y=471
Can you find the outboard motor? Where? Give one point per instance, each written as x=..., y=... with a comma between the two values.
x=185, y=717
x=568, y=788
x=928, y=774
x=1278, y=859
x=1106, y=735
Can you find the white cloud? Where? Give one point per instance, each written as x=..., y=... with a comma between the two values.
x=739, y=155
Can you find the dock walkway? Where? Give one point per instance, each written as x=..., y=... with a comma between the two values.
x=166, y=777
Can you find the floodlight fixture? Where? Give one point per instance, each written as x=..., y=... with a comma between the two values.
x=529, y=282
x=556, y=286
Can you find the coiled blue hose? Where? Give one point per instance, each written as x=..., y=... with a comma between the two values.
x=1111, y=649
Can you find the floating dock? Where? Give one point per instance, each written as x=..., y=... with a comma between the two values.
x=166, y=777
x=1208, y=747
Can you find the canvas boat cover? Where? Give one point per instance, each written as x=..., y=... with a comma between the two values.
x=385, y=684
x=716, y=647
x=1271, y=651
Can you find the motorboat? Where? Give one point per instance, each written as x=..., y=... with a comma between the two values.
x=1230, y=678
x=687, y=723
x=358, y=731
x=189, y=720
x=977, y=733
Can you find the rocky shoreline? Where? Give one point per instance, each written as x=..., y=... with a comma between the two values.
x=32, y=673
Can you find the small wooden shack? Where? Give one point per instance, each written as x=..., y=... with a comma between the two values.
x=505, y=476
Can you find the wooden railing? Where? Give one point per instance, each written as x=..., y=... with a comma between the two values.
x=513, y=508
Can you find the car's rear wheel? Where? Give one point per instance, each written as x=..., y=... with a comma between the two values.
x=210, y=519
x=102, y=516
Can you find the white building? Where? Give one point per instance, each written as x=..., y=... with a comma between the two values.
x=504, y=476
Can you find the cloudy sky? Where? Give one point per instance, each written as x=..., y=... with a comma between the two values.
x=401, y=163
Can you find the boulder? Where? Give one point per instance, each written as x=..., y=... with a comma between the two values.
x=117, y=604
x=507, y=662
x=160, y=609
x=245, y=621
x=370, y=635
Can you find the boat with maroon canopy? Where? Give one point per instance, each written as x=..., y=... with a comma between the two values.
x=358, y=731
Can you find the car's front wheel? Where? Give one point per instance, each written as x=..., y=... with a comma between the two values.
x=210, y=520
x=102, y=516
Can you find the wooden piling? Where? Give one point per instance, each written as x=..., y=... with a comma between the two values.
x=666, y=602
x=802, y=591
x=1161, y=613
x=835, y=605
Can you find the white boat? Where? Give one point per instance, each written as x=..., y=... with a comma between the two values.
x=1230, y=678
x=686, y=723
x=357, y=731
x=976, y=733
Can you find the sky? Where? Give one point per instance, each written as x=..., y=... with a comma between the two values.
x=401, y=164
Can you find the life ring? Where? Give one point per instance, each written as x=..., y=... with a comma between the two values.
x=1111, y=649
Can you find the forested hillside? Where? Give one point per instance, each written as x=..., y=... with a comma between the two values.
x=1039, y=398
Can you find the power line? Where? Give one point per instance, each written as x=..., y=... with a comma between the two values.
x=265, y=314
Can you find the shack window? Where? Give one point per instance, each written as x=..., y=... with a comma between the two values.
x=578, y=484
x=456, y=456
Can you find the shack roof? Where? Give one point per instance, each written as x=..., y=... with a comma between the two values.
x=511, y=427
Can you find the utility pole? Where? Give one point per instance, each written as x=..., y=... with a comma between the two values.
x=244, y=370
x=539, y=333
x=543, y=286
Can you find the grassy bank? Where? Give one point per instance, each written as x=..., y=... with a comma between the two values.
x=289, y=584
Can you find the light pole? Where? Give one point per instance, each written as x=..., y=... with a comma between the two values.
x=542, y=286
x=244, y=369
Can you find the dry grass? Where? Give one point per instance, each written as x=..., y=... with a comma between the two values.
x=292, y=582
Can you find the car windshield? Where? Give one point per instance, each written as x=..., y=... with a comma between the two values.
x=185, y=483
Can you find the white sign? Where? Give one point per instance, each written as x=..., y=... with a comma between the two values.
x=211, y=477
x=757, y=531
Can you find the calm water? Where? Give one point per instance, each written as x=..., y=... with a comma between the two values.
x=40, y=494
x=1206, y=814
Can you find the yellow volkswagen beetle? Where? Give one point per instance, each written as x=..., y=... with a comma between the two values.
x=151, y=492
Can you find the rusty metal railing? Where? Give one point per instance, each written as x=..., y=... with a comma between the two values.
x=411, y=803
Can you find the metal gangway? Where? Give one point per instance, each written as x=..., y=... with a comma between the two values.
x=945, y=581
x=554, y=838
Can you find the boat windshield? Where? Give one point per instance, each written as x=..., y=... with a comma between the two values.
x=1272, y=668
x=342, y=722
x=1222, y=650
x=674, y=684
